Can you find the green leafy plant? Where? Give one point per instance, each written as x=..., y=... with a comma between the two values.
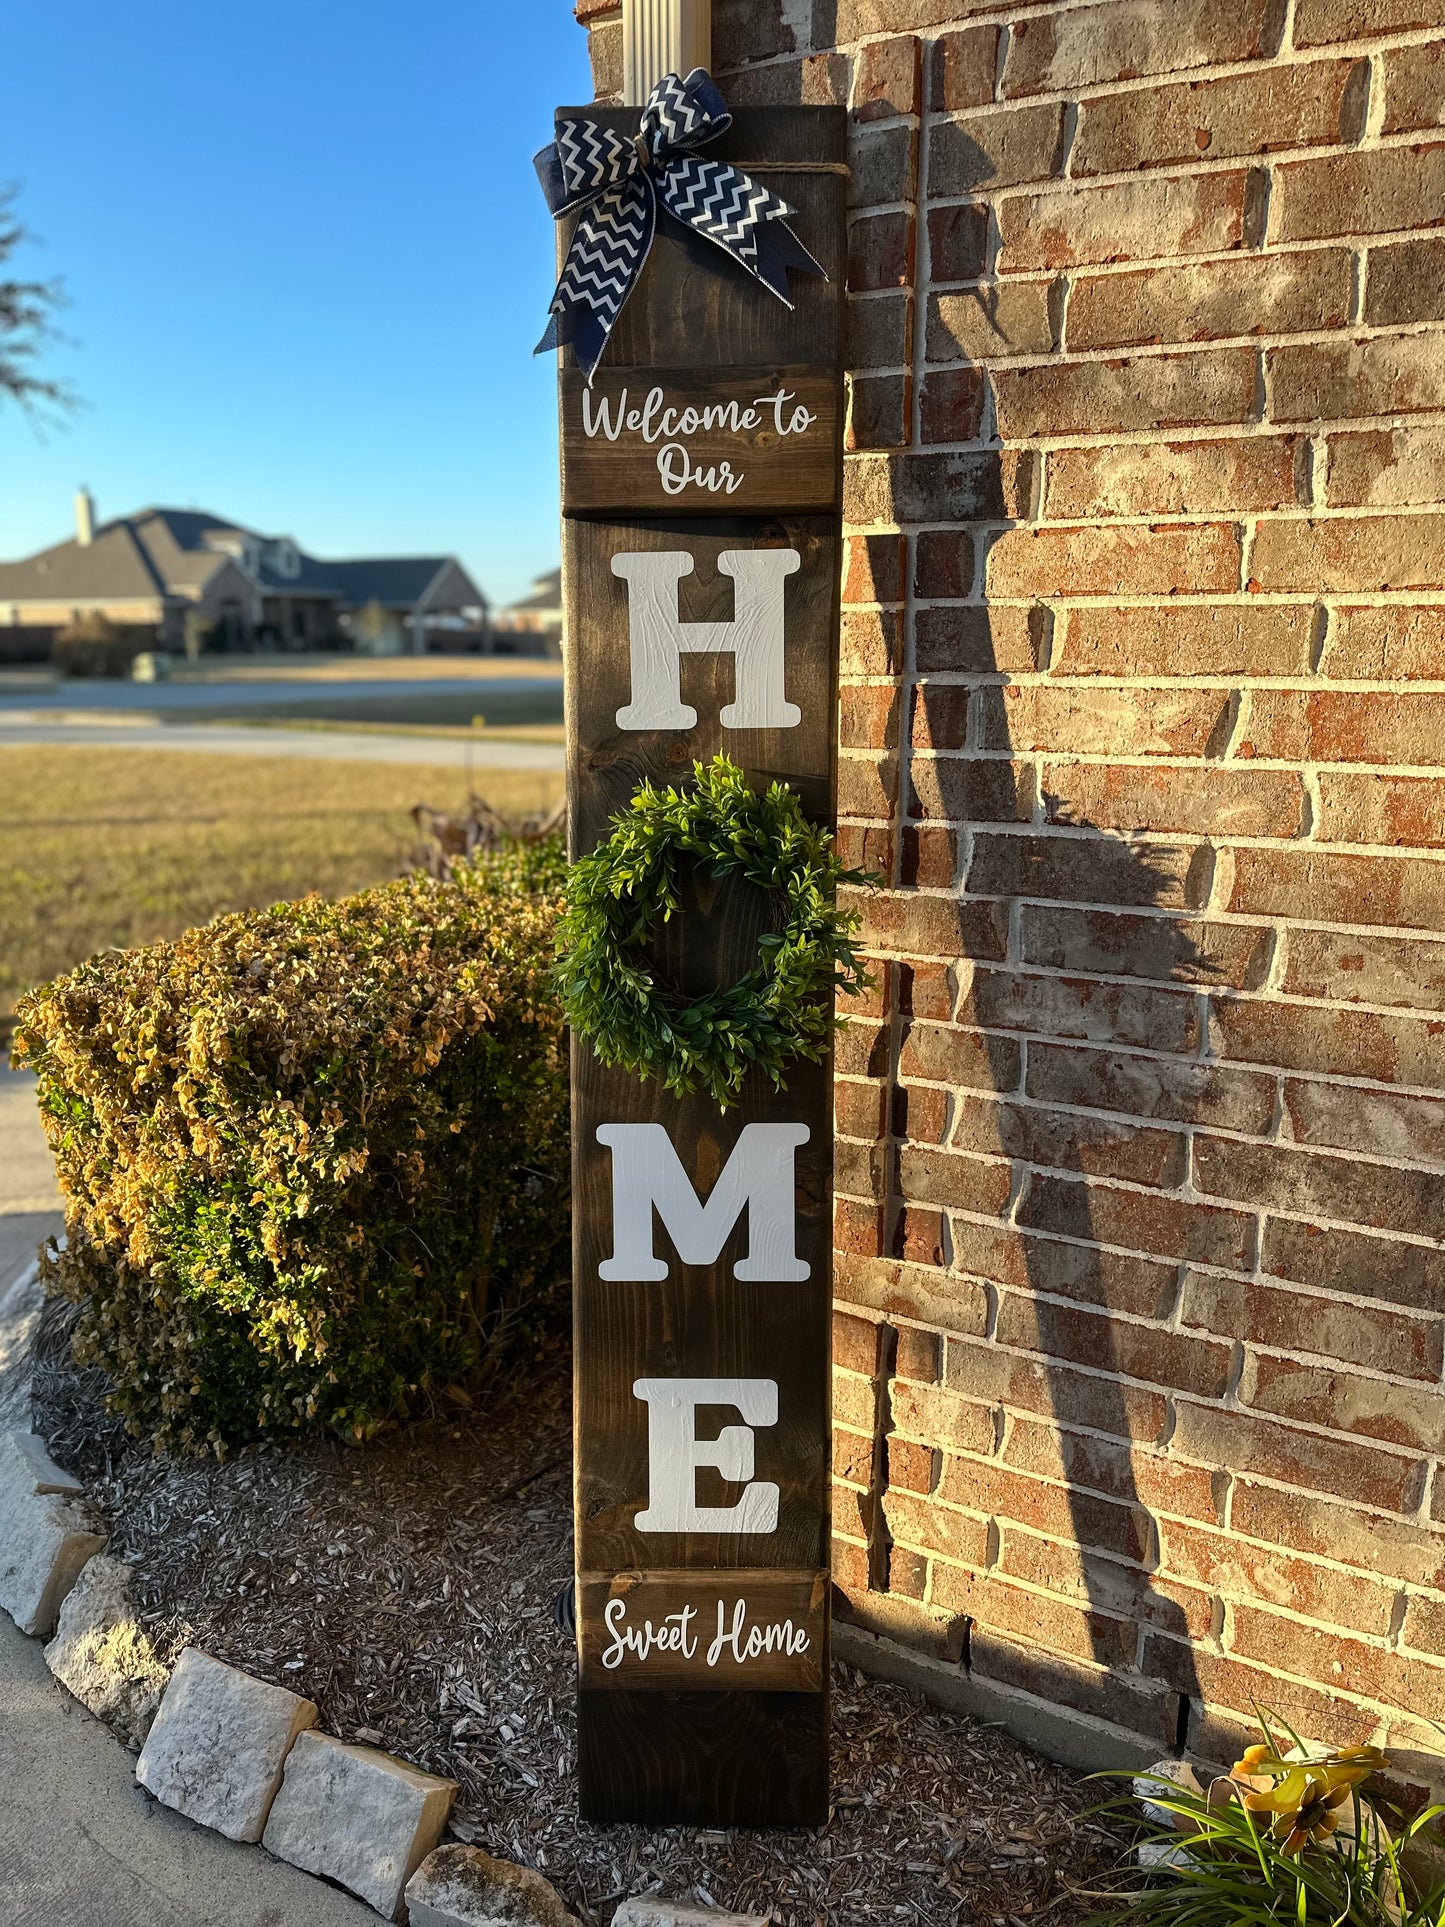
x=1292, y=1834
x=616, y=897
x=314, y=1158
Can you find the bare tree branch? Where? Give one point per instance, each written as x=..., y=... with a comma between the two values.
x=27, y=325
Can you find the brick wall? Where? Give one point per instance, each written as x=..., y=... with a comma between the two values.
x=1141, y=1155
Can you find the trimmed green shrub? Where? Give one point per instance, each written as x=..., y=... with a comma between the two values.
x=315, y=1157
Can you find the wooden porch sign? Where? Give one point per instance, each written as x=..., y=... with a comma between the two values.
x=701, y=497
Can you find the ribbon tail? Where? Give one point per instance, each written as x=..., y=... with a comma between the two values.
x=743, y=217
x=609, y=249
x=779, y=249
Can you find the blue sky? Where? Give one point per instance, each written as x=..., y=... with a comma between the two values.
x=307, y=260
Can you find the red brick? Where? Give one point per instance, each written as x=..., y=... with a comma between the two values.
x=907, y=1573
x=1106, y=1584
x=850, y=1566
x=883, y=165
x=1084, y=1463
x=1000, y=640
x=942, y=1178
x=1300, y=1522
x=875, y=569
x=1406, y=811
x=887, y=78
x=1384, y=1123
x=940, y=716
x=934, y=485
x=859, y=1109
x=1215, y=802
x=1152, y=1087
x=857, y=1228
x=1093, y=721
x=962, y=69
x=1148, y=219
x=1126, y=39
x=911, y=1467
x=1296, y=1321
x=966, y=790
x=1375, y=191
x=868, y=717
x=990, y=151
x=1178, y=478
x=1405, y=281
x=1166, y=948
x=926, y=991
x=1401, y=891
x=1211, y=639
x=1250, y=113
x=1388, y=1480
x=1036, y=1617
x=1322, y=22
x=1048, y=1006
x=1103, y=1148
x=1066, y=866
x=1371, y=1672
x=877, y=412
x=1139, y=1221
x=934, y=1418
x=929, y=926
x=1163, y=560
x=852, y=1457
x=1116, y=1281
x=880, y=252
x=861, y=1169
x=943, y=564
x=951, y=405
x=1382, y=375
x=1424, y=1627
x=936, y=1528
x=1387, y=468
x=919, y=1237
x=1112, y=1344
x=1387, y=1048
x=957, y=242
x=991, y=318
x=1343, y=1401
x=1371, y=552
x=1123, y=397
x=1339, y=726
x=920, y=1113
x=1365, y=970
x=920, y=1292
x=1384, y=1268
x=920, y=1355
x=1415, y=87
x=878, y=332
x=855, y=1344
x=862, y=1050
x=1090, y=1521
x=871, y=642
x=1282, y=294
x=867, y=787
x=1313, y=1184
x=1223, y=1563
x=1224, y=1682
x=1054, y=1391
x=1399, y=644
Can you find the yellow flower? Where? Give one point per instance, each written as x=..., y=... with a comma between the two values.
x=1302, y=1797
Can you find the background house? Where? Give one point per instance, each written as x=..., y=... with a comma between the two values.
x=532, y=626
x=181, y=579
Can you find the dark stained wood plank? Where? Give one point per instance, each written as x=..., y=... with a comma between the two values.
x=700, y=442
x=757, y=1631
x=702, y=330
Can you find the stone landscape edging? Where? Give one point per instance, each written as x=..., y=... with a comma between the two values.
x=43, y=1512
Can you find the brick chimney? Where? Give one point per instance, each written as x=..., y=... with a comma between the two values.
x=84, y=517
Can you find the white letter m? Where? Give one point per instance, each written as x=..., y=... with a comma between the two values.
x=758, y=1178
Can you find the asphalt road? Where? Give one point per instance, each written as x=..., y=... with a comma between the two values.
x=325, y=745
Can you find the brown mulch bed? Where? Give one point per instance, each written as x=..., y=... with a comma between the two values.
x=408, y=1588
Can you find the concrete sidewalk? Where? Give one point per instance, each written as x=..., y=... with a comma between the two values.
x=80, y=1844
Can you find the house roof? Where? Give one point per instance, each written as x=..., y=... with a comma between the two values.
x=546, y=593
x=176, y=552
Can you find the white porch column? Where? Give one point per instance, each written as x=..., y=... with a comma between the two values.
x=662, y=37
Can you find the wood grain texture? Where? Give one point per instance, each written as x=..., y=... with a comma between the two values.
x=672, y=1751
x=697, y=1628
x=650, y=453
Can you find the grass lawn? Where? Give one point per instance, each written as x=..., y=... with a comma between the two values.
x=101, y=848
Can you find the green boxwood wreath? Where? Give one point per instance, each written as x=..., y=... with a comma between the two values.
x=781, y=1010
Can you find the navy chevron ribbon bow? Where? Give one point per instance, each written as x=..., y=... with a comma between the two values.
x=618, y=182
